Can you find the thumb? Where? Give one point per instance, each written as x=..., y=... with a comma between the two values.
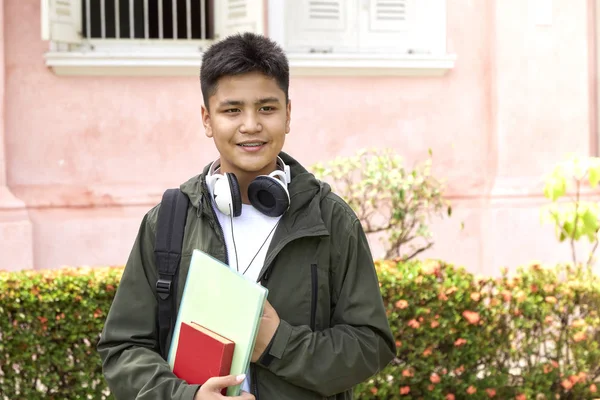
x=217, y=383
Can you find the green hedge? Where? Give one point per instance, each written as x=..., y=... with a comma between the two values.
x=534, y=335
x=50, y=322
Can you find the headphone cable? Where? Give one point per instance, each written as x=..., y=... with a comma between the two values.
x=237, y=262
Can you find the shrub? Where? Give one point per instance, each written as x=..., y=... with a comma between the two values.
x=50, y=322
x=534, y=335
x=389, y=197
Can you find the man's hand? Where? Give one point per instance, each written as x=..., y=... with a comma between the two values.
x=269, y=323
x=211, y=390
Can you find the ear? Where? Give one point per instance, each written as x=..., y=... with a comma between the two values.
x=288, y=116
x=206, y=121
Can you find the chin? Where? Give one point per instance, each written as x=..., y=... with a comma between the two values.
x=253, y=168
x=256, y=165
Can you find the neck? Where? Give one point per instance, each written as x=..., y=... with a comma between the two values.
x=244, y=181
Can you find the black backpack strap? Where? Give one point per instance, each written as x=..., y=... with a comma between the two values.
x=167, y=251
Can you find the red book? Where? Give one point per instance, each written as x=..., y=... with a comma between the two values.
x=202, y=354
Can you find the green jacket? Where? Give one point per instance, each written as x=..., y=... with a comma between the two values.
x=322, y=282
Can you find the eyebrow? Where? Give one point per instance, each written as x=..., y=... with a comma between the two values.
x=264, y=100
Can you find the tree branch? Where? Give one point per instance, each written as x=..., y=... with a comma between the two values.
x=577, y=194
x=590, y=258
x=419, y=250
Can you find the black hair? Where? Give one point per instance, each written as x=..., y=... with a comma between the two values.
x=243, y=53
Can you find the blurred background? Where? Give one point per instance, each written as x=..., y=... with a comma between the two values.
x=100, y=112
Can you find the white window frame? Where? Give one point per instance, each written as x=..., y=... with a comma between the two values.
x=183, y=57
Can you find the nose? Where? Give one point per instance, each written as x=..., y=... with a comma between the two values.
x=250, y=124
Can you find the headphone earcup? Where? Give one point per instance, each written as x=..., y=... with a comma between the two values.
x=226, y=194
x=268, y=196
x=236, y=194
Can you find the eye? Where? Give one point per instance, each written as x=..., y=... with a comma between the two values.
x=267, y=108
x=232, y=110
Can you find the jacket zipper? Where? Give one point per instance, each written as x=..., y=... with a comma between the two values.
x=214, y=222
x=254, y=382
x=315, y=290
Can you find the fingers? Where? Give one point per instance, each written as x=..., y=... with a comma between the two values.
x=215, y=384
x=245, y=396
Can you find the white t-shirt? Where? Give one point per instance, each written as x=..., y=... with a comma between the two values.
x=247, y=244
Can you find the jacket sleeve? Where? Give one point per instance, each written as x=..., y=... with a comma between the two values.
x=128, y=346
x=359, y=342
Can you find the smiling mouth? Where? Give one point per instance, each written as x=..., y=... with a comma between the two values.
x=253, y=144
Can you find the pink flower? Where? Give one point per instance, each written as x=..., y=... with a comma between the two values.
x=401, y=304
x=567, y=384
x=580, y=323
x=579, y=336
x=413, y=323
x=471, y=316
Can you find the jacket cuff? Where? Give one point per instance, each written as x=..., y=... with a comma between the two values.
x=278, y=344
x=190, y=392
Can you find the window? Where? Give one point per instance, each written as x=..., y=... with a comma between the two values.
x=133, y=37
x=358, y=26
x=157, y=19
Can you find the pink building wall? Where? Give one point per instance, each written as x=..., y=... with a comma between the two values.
x=85, y=157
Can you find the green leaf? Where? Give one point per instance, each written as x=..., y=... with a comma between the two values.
x=594, y=175
x=590, y=224
x=556, y=187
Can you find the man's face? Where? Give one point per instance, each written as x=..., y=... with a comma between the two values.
x=248, y=121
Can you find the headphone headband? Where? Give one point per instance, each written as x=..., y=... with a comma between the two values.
x=284, y=172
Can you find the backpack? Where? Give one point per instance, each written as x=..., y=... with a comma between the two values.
x=170, y=229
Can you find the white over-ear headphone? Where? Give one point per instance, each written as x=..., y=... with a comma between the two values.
x=267, y=193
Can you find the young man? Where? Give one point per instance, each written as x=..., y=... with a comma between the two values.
x=324, y=328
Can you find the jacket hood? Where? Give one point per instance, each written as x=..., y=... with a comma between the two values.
x=303, y=188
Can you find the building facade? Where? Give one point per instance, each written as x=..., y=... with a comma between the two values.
x=101, y=110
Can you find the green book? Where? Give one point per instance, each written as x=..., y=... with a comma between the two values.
x=224, y=301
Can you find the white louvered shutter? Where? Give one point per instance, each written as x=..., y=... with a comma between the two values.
x=61, y=21
x=401, y=26
x=321, y=25
x=390, y=15
x=387, y=25
x=238, y=16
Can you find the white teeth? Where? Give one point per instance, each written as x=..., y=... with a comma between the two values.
x=251, y=144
